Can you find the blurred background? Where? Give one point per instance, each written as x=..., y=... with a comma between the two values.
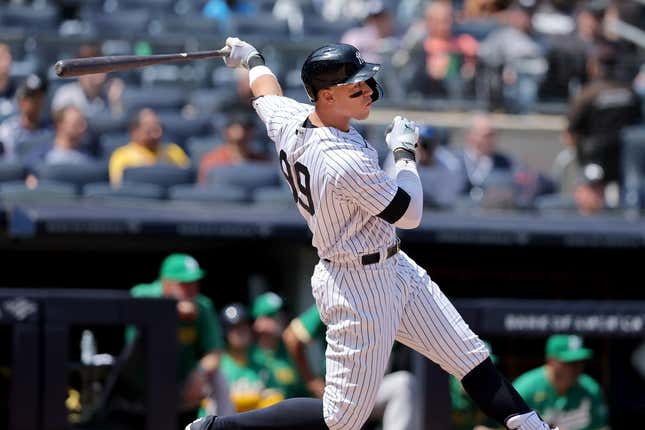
x=160, y=182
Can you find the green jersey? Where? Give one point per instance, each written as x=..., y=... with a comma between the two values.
x=278, y=371
x=196, y=338
x=581, y=408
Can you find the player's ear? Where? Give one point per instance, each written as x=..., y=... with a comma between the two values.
x=327, y=95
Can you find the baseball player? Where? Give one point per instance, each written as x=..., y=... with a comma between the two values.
x=367, y=291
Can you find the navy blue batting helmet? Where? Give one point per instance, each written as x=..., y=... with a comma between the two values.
x=337, y=64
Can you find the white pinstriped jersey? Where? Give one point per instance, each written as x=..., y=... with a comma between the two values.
x=339, y=186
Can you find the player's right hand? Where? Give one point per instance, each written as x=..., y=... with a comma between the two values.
x=402, y=134
x=240, y=53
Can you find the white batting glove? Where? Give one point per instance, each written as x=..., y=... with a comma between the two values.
x=240, y=53
x=402, y=134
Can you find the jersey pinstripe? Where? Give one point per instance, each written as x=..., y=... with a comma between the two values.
x=346, y=185
x=340, y=189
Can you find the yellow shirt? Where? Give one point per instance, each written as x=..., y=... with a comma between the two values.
x=134, y=155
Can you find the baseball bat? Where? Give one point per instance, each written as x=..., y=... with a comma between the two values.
x=87, y=66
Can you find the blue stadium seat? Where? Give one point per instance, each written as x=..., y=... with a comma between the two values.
x=154, y=5
x=263, y=26
x=34, y=19
x=207, y=194
x=45, y=192
x=250, y=176
x=184, y=25
x=100, y=124
x=208, y=101
x=180, y=128
x=119, y=23
x=199, y=146
x=111, y=141
x=103, y=191
x=163, y=175
x=274, y=196
x=11, y=171
x=633, y=167
x=77, y=175
x=163, y=98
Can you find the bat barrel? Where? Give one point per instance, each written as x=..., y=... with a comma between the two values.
x=87, y=66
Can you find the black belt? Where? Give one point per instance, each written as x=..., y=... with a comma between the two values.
x=374, y=257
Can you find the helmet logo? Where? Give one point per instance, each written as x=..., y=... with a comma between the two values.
x=360, y=59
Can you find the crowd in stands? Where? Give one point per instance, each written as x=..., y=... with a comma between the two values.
x=245, y=357
x=171, y=132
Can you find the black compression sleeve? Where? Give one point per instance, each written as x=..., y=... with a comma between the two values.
x=397, y=207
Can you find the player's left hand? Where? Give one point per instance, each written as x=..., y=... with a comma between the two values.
x=240, y=53
x=201, y=423
x=402, y=134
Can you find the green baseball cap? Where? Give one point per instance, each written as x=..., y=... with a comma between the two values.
x=567, y=348
x=266, y=305
x=182, y=268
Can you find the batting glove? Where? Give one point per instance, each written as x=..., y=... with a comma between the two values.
x=402, y=135
x=240, y=53
x=201, y=423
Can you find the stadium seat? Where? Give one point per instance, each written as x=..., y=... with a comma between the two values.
x=155, y=5
x=262, y=27
x=249, y=176
x=163, y=98
x=207, y=194
x=633, y=167
x=34, y=19
x=274, y=196
x=163, y=175
x=119, y=23
x=11, y=171
x=111, y=141
x=180, y=128
x=208, y=101
x=77, y=175
x=99, y=124
x=45, y=192
x=199, y=146
x=183, y=25
x=104, y=191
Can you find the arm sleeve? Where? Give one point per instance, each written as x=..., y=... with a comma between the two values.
x=408, y=180
x=276, y=111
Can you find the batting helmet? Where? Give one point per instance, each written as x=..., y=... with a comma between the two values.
x=337, y=64
x=232, y=314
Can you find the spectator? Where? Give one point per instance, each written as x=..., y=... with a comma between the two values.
x=568, y=54
x=270, y=351
x=514, y=62
x=242, y=373
x=25, y=130
x=598, y=113
x=7, y=88
x=480, y=156
x=465, y=414
x=439, y=170
x=92, y=94
x=560, y=392
x=198, y=335
x=145, y=148
x=450, y=60
x=235, y=149
x=71, y=128
x=395, y=400
x=375, y=36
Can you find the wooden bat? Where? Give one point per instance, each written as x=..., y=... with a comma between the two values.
x=87, y=66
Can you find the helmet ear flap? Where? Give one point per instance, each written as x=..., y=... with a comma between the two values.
x=377, y=90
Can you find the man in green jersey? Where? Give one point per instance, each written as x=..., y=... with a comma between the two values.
x=560, y=392
x=270, y=352
x=198, y=332
x=396, y=397
x=243, y=374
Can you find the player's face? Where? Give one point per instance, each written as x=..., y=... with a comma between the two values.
x=240, y=335
x=566, y=373
x=353, y=100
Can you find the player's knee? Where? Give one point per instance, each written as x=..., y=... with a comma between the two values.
x=351, y=417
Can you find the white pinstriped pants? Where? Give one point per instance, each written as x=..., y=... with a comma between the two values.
x=365, y=308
